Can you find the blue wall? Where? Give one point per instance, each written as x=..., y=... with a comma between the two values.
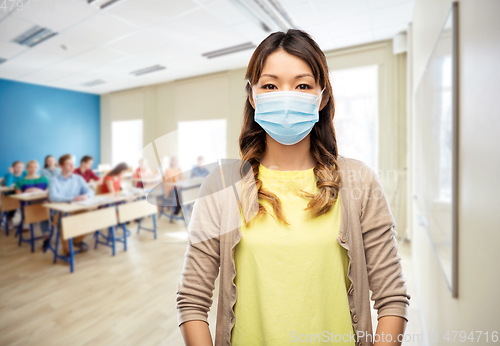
x=36, y=121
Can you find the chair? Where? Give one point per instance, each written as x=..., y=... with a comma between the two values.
x=98, y=189
x=7, y=204
x=80, y=224
x=137, y=210
x=32, y=214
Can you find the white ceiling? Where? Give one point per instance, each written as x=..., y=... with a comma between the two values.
x=130, y=35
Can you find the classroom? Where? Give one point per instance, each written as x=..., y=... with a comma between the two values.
x=249, y=172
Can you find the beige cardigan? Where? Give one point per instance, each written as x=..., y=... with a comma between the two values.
x=366, y=232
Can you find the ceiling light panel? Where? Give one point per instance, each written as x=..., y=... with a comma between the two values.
x=102, y=4
x=229, y=50
x=94, y=83
x=33, y=36
x=147, y=70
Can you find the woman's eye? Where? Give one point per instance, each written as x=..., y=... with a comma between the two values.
x=304, y=87
x=269, y=87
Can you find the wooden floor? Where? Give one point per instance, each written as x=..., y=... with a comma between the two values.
x=128, y=299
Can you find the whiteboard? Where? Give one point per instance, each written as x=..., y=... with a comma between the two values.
x=436, y=149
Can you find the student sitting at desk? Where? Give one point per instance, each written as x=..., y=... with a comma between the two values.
x=199, y=170
x=69, y=187
x=50, y=168
x=85, y=169
x=33, y=182
x=142, y=171
x=112, y=182
x=16, y=172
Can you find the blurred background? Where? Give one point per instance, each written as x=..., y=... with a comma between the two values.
x=160, y=86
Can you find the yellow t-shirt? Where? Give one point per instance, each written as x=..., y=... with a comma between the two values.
x=291, y=279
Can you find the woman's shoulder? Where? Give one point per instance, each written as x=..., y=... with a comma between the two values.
x=355, y=170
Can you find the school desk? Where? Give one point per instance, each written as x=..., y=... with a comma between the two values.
x=88, y=218
x=30, y=213
x=187, y=191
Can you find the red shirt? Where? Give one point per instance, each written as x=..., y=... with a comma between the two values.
x=88, y=175
x=117, y=182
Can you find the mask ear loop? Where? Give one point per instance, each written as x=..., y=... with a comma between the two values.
x=253, y=93
x=320, y=98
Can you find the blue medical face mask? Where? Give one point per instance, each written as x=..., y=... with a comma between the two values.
x=287, y=116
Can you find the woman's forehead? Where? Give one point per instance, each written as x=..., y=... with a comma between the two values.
x=281, y=64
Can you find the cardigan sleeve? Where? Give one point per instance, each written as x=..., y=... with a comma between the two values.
x=385, y=274
x=202, y=258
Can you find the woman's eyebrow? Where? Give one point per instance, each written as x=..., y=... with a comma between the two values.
x=304, y=75
x=269, y=75
x=296, y=77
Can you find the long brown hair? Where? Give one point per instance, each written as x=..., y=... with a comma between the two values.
x=252, y=139
x=45, y=164
x=119, y=168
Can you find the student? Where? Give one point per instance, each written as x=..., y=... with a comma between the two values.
x=85, y=169
x=69, y=187
x=172, y=174
x=293, y=257
x=16, y=172
x=142, y=171
x=112, y=182
x=50, y=168
x=199, y=170
x=33, y=182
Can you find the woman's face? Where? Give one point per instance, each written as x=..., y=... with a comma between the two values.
x=286, y=72
x=51, y=162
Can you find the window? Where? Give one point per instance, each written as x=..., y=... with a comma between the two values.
x=355, y=91
x=212, y=135
x=126, y=142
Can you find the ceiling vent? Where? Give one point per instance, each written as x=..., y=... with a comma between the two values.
x=269, y=14
x=34, y=36
x=94, y=83
x=102, y=4
x=229, y=50
x=148, y=70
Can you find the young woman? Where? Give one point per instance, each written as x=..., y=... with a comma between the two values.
x=50, y=168
x=142, y=171
x=112, y=182
x=301, y=259
x=33, y=182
